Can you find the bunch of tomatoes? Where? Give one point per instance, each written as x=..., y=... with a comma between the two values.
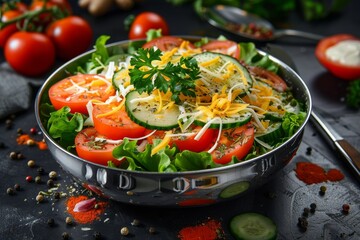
x=34, y=35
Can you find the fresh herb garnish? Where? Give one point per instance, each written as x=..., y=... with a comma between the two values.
x=178, y=78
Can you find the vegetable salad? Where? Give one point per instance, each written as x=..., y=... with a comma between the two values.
x=171, y=105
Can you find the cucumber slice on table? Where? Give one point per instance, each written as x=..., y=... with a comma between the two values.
x=144, y=112
x=252, y=226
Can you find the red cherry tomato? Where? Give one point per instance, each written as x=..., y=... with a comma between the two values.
x=165, y=43
x=146, y=21
x=223, y=46
x=116, y=125
x=29, y=53
x=94, y=151
x=71, y=35
x=234, y=142
x=44, y=18
x=340, y=70
x=7, y=31
x=70, y=91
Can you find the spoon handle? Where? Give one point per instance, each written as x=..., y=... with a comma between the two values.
x=297, y=33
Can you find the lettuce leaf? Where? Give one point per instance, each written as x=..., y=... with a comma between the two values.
x=251, y=56
x=64, y=126
x=292, y=122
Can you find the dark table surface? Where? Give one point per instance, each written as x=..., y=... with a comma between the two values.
x=24, y=218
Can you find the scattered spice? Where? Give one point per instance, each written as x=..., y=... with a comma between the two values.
x=124, y=231
x=68, y=221
x=51, y=222
x=17, y=187
x=40, y=170
x=38, y=179
x=52, y=175
x=10, y=191
x=39, y=198
x=65, y=235
x=152, y=230
x=31, y=163
x=345, y=208
x=13, y=155
x=50, y=183
x=135, y=222
x=87, y=216
x=303, y=223
x=311, y=173
x=209, y=230
x=322, y=190
x=97, y=235
x=25, y=139
x=29, y=178
x=312, y=207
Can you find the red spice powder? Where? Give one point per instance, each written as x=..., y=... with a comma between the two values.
x=311, y=173
x=87, y=216
x=209, y=230
x=24, y=140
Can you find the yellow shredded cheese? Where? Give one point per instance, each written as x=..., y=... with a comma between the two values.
x=165, y=141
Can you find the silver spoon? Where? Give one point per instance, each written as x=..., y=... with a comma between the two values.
x=231, y=19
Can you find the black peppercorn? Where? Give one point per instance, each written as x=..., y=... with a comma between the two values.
x=312, y=207
x=322, y=190
x=306, y=212
x=57, y=195
x=97, y=235
x=303, y=223
x=65, y=235
x=2, y=145
x=17, y=187
x=38, y=179
x=51, y=222
x=50, y=183
x=40, y=170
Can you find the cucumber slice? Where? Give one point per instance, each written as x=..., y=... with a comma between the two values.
x=143, y=112
x=253, y=226
x=275, y=117
x=234, y=189
x=120, y=78
x=223, y=70
x=273, y=135
x=228, y=122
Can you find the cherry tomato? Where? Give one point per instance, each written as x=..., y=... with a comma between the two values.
x=71, y=35
x=44, y=18
x=29, y=53
x=274, y=80
x=189, y=143
x=6, y=32
x=116, y=125
x=234, y=142
x=342, y=71
x=76, y=91
x=146, y=21
x=91, y=150
x=223, y=46
x=165, y=43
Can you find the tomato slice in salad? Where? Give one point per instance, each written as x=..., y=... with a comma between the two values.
x=223, y=46
x=166, y=43
x=235, y=142
x=115, y=123
x=76, y=91
x=189, y=142
x=88, y=148
x=272, y=79
x=347, y=72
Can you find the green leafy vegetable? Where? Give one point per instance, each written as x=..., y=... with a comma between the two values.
x=168, y=159
x=292, y=122
x=353, y=94
x=252, y=57
x=63, y=126
x=178, y=78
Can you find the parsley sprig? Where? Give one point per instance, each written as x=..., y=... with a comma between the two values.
x=178, y=78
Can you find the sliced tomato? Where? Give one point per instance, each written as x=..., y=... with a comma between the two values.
x=76, y=91
x=166, y=43
x=88, y=148
x=342, y=71
x=189, y=142
x=115, y=124
x=274, y=80
x=235, y=142
x=223, y=46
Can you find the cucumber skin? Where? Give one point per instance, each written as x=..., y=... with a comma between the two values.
x=233, y=225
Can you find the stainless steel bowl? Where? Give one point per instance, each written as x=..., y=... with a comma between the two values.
x=182, y=188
